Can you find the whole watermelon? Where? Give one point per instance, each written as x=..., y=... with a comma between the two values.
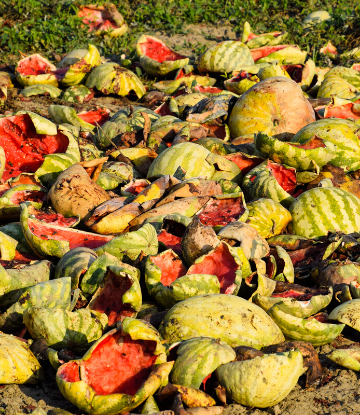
x=231, y=319
x=323, y=209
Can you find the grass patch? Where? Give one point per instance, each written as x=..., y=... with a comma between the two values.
x=46, y=26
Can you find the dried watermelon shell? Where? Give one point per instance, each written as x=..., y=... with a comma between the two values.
x=257, y=284
x=93, y=387
x=14, y=282
x=216, y=145
x=167, y=282
x=78, y=94
x=62, y=328
x=53, y=240
x=35, y=69
x=156, y=58
x=34, y=144
x=302, y=74
x=48, y=294
x=41, y=89
x=348, y=358
x=111, y=78
x=171, y=229
x=18, y=364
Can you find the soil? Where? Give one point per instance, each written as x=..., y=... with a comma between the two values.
x=339, y=391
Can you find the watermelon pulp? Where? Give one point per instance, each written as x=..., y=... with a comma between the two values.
x=158, y=51
x=117, y=365
x=221, y=263
x=24, y=147
x=109, y=300
x=221, y=212
x=244, y=162
x=171, y=267
x=264, y=51
x=99, y=116
x=34, y=65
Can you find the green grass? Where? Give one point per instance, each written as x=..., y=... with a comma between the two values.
x=47, y=26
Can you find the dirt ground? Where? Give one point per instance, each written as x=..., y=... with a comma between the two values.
x=338, y=393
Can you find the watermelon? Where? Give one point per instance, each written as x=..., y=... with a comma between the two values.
x=336, y=86
x=348, y=358
x=226, y=56
x=99, y=383
x=41, y=89
x=347, y=313
x=18, y=363
x=320, y=210
x=342, y=108
x=286, y=54
x=344, y=134
x=35, y=69
x=156, y=58
x=266, y=39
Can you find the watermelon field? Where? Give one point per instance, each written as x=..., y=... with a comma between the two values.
x=179, y=207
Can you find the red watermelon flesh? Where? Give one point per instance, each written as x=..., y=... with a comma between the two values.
x=34, y=65
x=218, y=131
x=28, y=196
x=24, y=148
x=75, y=237
x=286, y=177
x=356, y=67
x=208, y=89
x=343, y=111
x=221, y=263
x=264, y=51
x=158, y=51
x=117, y=365
x=53, y=218
x=171, y=267
x=221, y=212
x=136, y=187
x=109, y=299
x=244, y=162
x=253, y=35
x=99, y=116
x=96, y=18
x=164, y=109
x=170, y=241
x=314, y=142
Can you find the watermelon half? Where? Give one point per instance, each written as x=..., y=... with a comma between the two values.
x=156, y=58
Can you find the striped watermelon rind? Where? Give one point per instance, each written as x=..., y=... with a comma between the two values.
x=197, y=358
x=301, y=309
x=224, y=57
x=85, y=398
x=62, y=328
x=264, y=185
x=290, y=55
x=300, y=329
x=18, y=364
x=262, y=381
x=288, y=271
x=61, y=114
x=347, y=313
x=48, y=294
x=182, y=288
x=289, y=154
x=41, y=89
x=336, y=86
x=77, y=72
x=350, y=75
x=268, y=217
x=344, y=134
x=323, y=209
x=111, y=78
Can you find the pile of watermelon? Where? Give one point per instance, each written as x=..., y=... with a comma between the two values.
x=193, y=249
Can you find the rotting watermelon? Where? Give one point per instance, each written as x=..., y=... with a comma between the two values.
x=222, y=262
x=156, y=58
x=24, y=147
x=171, y=267
x=341, y=108
x=244, y=161
x=35, y=69
x=94, y=117
x=264, y=51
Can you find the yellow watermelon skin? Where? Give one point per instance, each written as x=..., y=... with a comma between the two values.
x=266, y=108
